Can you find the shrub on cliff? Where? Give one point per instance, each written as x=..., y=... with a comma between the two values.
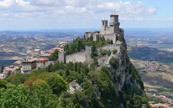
x=104, y=52
x=113, y=62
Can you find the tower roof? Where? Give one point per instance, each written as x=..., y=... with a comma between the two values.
x=104, y=19
x=114, y=14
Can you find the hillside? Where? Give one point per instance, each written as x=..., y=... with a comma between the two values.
x=155, y=73
x=151, y=54
x=107, y=80
x=16, y=45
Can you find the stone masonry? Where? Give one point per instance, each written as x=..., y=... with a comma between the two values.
x=108, y=32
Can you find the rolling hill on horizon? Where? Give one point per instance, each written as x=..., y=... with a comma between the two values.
x=150, y=54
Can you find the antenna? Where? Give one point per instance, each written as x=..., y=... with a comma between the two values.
x=114, y=11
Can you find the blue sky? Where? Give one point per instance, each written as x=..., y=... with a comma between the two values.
x=72, y=14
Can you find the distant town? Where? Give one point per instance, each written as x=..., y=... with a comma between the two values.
x=36, y=59
x=159, y=99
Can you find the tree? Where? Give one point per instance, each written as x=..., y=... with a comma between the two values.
x=114, y=63
x=3, y=84
x=55, y=81
x=65, y=101
x=58, y=84
x=94, y=52
x=2, y=68
x=95, y=61
x=14, y=97
x=137, y=101
x=76, y=100
x=80, y=45
x=40, y=84
x=30, y=81
x=54, y=55
x=42, y=98
x=50, y=68
x=21, y=97
x=17, y=78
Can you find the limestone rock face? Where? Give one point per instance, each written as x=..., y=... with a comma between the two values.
x=125, y=75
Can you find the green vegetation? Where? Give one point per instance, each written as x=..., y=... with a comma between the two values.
x=54, y=55
x=1, y=69
x=48, y=87
x=156, y=100
x=3, y=84
x=21, y=97
x=55, y=85
x=114, y=63
x=80, y=43
x=136, y=97
x=114, y=51
x=94, y=52
x=123, y=49
x=17, y=78
x=43, y=89
x=120, y=38
x=136, y=76
x=104, y=52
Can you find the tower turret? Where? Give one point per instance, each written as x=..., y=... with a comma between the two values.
x=104, y=25
x=62, y=57
x=114, y=23
x=114, y=18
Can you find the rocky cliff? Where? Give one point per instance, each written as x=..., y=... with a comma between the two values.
x=129, y=89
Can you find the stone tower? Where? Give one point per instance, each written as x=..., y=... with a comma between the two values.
x=62, y=57
x=109, y=32
x=104, y=26
x=114, y=23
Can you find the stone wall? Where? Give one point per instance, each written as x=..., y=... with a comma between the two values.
x=83, y=56
x=61, y=57
x=110, y=37
x=76, y=57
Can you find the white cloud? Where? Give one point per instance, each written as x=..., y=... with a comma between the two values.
x=46, y=2
x=171, y=19
x=70, y=10
x=78, y=3
x=78, y=6
x=6, y=3
x=127, y=8
x=22, y=3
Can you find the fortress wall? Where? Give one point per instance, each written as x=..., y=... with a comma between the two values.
x=83, y=56
x=110, y=37
x=76, y=57
x=107, y=30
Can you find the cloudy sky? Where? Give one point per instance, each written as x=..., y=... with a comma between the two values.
x=72, y=14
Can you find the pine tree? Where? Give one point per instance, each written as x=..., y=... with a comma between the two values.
x=2, y=68
x=94, y=52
